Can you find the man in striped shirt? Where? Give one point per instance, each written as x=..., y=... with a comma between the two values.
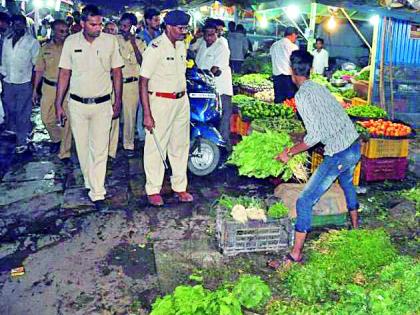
x=326, y=122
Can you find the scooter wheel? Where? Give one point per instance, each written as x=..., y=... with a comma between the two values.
x=204, y=158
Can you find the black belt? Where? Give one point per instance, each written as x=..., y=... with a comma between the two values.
x=90, y=100
x=131, y=79
x=51, y=83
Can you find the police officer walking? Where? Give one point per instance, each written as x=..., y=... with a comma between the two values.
x=131, y=50
x=46, y=69
x=166, y=108
x=87, y=59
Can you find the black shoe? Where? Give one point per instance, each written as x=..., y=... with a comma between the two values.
x=101, y=205
x=55, y=147
x=130, y=153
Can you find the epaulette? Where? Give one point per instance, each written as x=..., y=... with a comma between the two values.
x=154, y=45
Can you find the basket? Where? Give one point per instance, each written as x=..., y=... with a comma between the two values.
x=357, y=101
x=361, y=88
x=317, y=160
x=384, y=169
x=254, y=236
x=385, y=148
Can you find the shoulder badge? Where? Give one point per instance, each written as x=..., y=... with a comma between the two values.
x=154, y=45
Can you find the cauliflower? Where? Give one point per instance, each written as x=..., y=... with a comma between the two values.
x=239, y=214
x=256, y=214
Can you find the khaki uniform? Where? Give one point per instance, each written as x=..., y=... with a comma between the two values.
x=130, y=97
x=48, y=59
x=165, y=65
x=91, y=64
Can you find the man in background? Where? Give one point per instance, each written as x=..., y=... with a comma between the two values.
x=280, y=52
x=111, y=28
x=46, y=69
x=20, y=51
x=238, y=45
x=152, y=27
x=320, y=57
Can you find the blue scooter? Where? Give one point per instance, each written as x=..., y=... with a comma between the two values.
x=206, y=140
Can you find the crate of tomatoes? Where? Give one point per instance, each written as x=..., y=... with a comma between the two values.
x=388, y=139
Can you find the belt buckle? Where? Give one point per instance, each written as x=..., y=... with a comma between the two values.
x=91, y=101
x=178, y=95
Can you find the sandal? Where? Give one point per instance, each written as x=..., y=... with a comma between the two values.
x=276, y=263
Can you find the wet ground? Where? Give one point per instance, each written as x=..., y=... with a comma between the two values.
x=81, y=261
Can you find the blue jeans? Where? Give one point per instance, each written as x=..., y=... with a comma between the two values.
x=139, y=123
x=341, y=165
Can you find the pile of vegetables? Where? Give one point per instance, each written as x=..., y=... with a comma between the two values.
x=349, y=93
x=290, y=103
x=363, y=76
x=256, y=81
x=260, y=63
x=366, y=111
x=351, y=272
x=235, y=78
x=318, y=78
x=386, y=128
x=242, y=209
x=248, y=292
x=289, y=125
x=265, y=96
x=259, y=109
x=255, y=157
x=343, y=74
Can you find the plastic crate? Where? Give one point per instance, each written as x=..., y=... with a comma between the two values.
x=254, y=236
x=317, y=159
x=356, y=101
x=244, y=127
x=234, y=123
x=385, y=148
x=384, y=169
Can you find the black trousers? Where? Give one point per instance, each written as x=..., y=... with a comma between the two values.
x=284, y=88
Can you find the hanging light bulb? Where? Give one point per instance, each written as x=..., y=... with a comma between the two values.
x=264, y=22
x=332, y=23
x=292, y=11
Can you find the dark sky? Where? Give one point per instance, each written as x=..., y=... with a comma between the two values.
x=118, y=4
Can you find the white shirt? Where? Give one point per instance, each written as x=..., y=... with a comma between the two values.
x=320, y=60
x=280, y=53
x=224, y=41
x=216, y=55
x=18, y=61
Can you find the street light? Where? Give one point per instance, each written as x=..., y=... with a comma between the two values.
x=292, y=11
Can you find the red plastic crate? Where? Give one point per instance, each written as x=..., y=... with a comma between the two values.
x=384, y=169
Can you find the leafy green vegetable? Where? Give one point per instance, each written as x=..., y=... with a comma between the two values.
x=251, y=291
x=350, y=93
x=363, y=76
x=278, y=210
x=413, y=194
x=255, y=156
x=256, y=80
x=228, y=202
x=279, y=124
x=340, y=73
x=367, y=111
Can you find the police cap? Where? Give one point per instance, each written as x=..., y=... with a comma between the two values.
x=177, y=17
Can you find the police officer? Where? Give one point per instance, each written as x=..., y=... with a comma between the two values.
x=131, y=50
x=46, y=69
x=166, y=108
x=87, y=59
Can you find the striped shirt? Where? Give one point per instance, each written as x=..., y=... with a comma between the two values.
x=324, y=118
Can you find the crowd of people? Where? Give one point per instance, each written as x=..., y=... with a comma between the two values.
x=90, y=75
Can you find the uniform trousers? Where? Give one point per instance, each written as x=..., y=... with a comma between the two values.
x=130, y=100
x=172, y=130
x=91, y=124
x=49, y=118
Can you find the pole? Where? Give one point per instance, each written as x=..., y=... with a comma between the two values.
x=311, y=39
x=381, y=66
x=356, y=29
x=373, y=61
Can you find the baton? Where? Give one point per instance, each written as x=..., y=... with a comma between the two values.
x=159, y=149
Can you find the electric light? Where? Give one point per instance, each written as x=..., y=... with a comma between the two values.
x=374, y=20
x=332, y=23
x=38, y=4
x=263, y=22
x=292, y=11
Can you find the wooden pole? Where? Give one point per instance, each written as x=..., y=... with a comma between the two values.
x=381, y=67
x=373, y=61
x=391, y=70
x=356, y=29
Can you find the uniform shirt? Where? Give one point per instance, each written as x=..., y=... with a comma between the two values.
x=131, y=66
x=216, y=55
x=165, y=65
x=280, y=53
x=18, y=61
x=324, y=118
x=48, y=59
x=91, y=63
x=147, y=37
x=320, y=60
x=224, y=41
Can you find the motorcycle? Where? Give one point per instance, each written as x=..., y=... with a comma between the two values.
x=206, y=140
